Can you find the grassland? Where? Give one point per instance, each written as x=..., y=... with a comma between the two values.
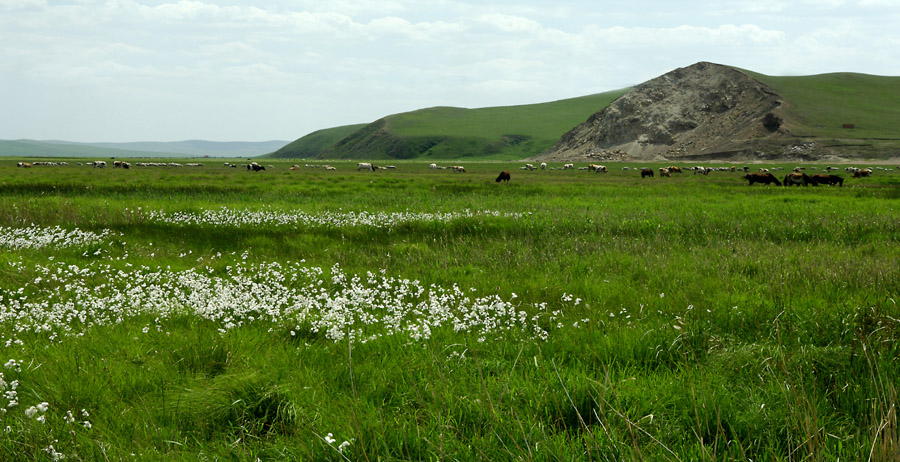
x=417, y=314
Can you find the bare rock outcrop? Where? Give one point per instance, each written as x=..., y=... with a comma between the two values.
x=700, y=112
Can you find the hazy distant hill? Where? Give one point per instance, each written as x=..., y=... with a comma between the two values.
x=191, y=148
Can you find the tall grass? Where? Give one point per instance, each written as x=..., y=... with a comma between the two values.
x=713, y=320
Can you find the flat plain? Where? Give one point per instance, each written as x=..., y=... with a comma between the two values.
x=421, y=314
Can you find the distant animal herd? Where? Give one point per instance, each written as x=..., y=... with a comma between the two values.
x=797, y=177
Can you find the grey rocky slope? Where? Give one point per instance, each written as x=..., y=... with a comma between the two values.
x=704, y=111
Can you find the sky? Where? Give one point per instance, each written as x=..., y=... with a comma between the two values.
x=169, y=70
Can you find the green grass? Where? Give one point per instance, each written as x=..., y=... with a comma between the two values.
x=716, y=320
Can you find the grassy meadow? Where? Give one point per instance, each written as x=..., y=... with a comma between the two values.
x=212, y=313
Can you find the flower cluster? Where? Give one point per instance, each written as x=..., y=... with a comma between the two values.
x=67, y=300
x=296, y=218
x=38, y=415
x=36, y=237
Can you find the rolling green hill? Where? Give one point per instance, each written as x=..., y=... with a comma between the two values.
x=815, y=108
x=822, y=104
x=511, y=132
x=311, y=145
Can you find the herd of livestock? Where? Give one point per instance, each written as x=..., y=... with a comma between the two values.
x=765, y=176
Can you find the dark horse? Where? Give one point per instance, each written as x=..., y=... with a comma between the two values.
x=829, y=179
x=504, y=176
x=764, y=178
x=645, y=172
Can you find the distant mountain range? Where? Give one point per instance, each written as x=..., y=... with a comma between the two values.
x=190, y=148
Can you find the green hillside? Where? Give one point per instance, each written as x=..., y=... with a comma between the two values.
x=821, y=104
x=511, y=132
x=816, y=109
x=312, y=144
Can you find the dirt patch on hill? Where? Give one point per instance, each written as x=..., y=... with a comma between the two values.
x=702, y=112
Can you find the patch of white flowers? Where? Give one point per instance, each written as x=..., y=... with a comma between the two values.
x=36, y=237
x=296, y=218
x=66, y=300
x=15, y=424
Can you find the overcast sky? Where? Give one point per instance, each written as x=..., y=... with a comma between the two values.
x=166, y=70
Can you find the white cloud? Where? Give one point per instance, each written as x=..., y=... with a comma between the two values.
x=507, y=23
x=22, y=4
x=363, y=59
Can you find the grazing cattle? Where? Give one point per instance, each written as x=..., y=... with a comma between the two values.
x=597, y=168
x=763, y=170
x=433, y=166
x=504, y=176
x=255, y=167
x=529, y=167
x=674, y=169
x=23, y=165
x=703, y=170
x=294, y=167
x=543, y=166
x=798, y=179
x=100, y=164
x=645, y=172
x=568, y=166
x=764, y=178
x=458, y=169
x=328, y=167
x=664, y=172
x=862, y=173
x=365, y=166
x=830, y=180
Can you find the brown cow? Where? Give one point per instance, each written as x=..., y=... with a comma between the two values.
x=645, y=172
x=828, y=179
x=798, y=179
x=765, y=178
x=664, y=172
x=504, y=176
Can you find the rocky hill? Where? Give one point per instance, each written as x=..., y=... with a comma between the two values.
x=702, y=112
